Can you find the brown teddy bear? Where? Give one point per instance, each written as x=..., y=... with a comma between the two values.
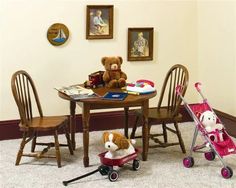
x=113, y=76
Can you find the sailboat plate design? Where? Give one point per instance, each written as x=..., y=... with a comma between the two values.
x=57, y=34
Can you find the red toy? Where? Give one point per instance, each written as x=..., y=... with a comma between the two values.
x=214, y=147
x=95, y=80
x=107, y=166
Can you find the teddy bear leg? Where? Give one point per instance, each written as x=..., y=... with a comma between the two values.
x=113, y=84
x=122, y=82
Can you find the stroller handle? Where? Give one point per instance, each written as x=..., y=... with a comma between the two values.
x=197, y=86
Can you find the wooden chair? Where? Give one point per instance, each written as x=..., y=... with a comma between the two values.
x=26, y=98
x=169, y=113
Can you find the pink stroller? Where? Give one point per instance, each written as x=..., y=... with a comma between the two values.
x=219, y=148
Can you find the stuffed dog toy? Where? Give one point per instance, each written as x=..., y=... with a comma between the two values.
x=117, y=145
x=209, y=121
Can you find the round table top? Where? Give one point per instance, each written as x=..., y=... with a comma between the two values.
x=101, y=91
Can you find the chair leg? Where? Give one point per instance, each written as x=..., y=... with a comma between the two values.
x=34, y=142
x=164, y=132
x=58, y=155
x=69, y=143
x=20, y=152
x=181, y=142
x=132, y=135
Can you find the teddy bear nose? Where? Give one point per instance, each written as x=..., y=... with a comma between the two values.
x=108, y=146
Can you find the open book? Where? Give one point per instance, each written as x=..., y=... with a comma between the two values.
x=77, y=92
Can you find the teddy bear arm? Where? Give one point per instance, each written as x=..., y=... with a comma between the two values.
x=219, y=126
x=106, y=76
x=123, y=75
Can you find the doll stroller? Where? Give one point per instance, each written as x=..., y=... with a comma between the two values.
x=214, y=148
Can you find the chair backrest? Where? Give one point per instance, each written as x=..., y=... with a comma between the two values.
x=177, y=75
x=25, y=95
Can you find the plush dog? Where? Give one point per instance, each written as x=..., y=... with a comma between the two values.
x=117, y=145
x=209, y=121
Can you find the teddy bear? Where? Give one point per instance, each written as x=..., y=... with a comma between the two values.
x=209, y=121
x=117, y=145
x=113, y=76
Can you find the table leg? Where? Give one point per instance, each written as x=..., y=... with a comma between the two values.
x=72, y=123
x=126, y=121
x=85, y=119
x=145, y=130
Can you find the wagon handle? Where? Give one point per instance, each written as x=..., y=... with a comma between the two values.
x=197, y=86
x=178, y=89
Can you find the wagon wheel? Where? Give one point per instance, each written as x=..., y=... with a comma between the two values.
x=136, y=164
x=113, y=175
x=103, y=169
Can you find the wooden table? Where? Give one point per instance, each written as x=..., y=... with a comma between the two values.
x=99, y=103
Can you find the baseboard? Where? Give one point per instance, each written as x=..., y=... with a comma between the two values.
x=108, y=121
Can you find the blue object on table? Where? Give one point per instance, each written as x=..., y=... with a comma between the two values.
x=115, y=96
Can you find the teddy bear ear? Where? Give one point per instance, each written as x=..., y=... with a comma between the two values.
x=103, y=60
x=121, y=60
x=105, y=136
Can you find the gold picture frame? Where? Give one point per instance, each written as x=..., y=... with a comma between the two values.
x=99, y=22
x=140, y=44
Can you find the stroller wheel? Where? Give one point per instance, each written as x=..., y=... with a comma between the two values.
x=188, y=162
x=226, y=172
x=113, y=175
x=210, y=156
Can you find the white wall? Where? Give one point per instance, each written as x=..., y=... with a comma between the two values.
x=217, y=53
x=24, y=45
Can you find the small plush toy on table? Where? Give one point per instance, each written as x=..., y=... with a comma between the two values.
x=117, y=145
x=113, y=76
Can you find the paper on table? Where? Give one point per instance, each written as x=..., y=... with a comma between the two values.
x=77, y=92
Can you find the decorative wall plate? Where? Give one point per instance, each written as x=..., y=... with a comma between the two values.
x=57, y=34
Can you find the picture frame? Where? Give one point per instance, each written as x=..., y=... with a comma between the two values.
x=99, y=22
x=57, y=34
x=140, y=44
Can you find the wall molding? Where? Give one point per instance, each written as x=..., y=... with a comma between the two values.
x=109, y=120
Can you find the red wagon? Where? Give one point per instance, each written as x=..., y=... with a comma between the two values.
x=107, y=166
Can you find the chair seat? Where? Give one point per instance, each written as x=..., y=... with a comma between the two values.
x=45, y=123
x=161, y=114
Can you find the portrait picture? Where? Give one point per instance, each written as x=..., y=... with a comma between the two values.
x=99, y=23
x=140, y=44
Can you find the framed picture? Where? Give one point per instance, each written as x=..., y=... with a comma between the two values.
x=99, y=22
x=140, y=44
